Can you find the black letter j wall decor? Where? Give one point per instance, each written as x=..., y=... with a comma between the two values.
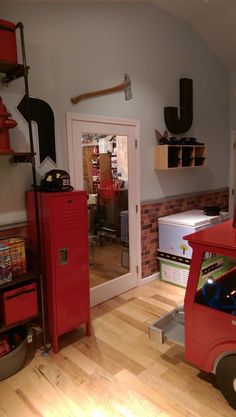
x=42, y=114
x=182, y=123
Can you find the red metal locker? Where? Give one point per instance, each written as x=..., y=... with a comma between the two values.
x=64, y=235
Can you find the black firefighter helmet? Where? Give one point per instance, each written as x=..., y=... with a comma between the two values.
x=56, y=180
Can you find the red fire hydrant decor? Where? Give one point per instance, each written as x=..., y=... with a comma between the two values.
x=5, y=125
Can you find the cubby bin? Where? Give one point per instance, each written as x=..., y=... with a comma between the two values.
x=179, y=156
x=187, y=156
x=174, y=156
x=200, y=156
x=19, y=304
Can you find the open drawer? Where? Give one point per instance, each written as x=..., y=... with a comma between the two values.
x=169, y=328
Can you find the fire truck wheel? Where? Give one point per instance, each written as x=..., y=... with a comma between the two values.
x=226, y=378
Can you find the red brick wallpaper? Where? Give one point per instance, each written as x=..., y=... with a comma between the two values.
x=149, y=220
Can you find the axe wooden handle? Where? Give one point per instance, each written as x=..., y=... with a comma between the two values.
x=115, y=89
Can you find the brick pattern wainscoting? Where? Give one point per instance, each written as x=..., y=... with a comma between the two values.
x=150, y=211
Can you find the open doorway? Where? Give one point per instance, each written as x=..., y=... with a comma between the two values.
x=104, y=161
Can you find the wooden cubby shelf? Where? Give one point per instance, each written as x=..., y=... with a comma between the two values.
x=179, y=156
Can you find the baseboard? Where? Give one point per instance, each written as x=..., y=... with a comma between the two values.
x=150, y=278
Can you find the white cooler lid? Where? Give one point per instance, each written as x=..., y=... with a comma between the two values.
x=192, y=218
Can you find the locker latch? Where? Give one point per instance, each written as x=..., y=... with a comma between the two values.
x=62, y=256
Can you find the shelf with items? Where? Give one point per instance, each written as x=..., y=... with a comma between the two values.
x=179, y=156
x=18, y=157
x=101, y=170
x=4, y=328
x=114, y=170
x=20, y=279
x=13, y=70
x=98, y=167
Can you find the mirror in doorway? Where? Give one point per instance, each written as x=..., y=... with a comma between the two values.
x=105, y=176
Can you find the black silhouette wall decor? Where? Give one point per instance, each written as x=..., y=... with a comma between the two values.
x=42, y=114
x=183, y=122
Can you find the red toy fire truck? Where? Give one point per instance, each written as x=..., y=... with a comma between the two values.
x=206, y=324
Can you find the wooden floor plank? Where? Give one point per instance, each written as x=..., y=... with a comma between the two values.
x=111, y=359
x=117, y=372
x=168, y=407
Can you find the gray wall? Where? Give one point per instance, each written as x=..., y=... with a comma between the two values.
x=74, y=48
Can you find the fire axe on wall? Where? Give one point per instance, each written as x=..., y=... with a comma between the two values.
x=125, y=86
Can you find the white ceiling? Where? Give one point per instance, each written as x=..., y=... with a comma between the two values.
x=214, y=20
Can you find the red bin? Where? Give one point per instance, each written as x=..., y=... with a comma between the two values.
x=19, y=304
x=8, y=48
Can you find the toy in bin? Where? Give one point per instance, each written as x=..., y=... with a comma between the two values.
x=4, y=346
x=10, y=340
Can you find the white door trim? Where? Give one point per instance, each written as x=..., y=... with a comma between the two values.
x=232, y=175
x=72, y=120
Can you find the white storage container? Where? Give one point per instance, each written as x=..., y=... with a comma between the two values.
x=173, y=228
x=177, y=272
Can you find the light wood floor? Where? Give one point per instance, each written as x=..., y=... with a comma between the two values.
x=105, y=263
x=115, y=372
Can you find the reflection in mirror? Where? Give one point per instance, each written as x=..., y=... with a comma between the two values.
x=105, y=176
